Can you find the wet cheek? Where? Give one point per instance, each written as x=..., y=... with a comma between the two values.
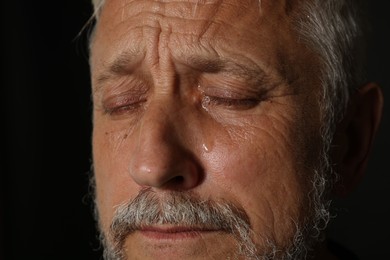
x=236, y=158
x=256, y=168
x=237, y=166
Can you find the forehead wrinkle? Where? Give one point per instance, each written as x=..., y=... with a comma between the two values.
x=118, y=68
x=158, y=7
x=131, y=8
x=184, y=8
x=138, y=14
x=159, y=12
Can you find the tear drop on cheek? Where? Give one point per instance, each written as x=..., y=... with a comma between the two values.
x=208, y=144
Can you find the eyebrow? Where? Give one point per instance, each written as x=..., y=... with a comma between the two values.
x=251, y=73
x=123, y=64
x=126, y=61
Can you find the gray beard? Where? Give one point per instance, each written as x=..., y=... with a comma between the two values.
x=186, y=209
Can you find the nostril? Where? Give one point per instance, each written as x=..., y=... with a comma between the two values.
x=177, y=180
x=177, y=183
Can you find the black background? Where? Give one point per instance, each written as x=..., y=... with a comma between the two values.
x=45, y=99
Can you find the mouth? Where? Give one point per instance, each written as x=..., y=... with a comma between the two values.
x=174, y=232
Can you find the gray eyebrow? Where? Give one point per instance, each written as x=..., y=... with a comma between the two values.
x=123, y=64
x=250, y=73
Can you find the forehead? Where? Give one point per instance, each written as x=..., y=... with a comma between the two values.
x=247, y=12
x=257, y=30
x=242, y=19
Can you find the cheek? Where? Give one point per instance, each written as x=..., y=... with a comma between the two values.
x=263, y=170
x=113, y=183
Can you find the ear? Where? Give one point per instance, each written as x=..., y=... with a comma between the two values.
x=355, y=136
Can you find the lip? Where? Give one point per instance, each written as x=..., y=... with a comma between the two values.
x=174, y=232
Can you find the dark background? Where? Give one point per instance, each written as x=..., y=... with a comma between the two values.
x=45, y=212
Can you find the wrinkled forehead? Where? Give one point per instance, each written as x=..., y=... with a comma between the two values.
x=256, y=30
x=117, y=11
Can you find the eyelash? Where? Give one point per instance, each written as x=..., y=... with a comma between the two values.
x=123, y=105
x=123, y=108
x=231, y=103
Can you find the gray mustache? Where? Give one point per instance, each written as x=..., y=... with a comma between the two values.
x=177, y=208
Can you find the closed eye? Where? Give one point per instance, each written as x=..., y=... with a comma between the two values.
x=122, y=106
x=230, y=103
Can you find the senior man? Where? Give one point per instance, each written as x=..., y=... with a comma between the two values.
x=222, y=127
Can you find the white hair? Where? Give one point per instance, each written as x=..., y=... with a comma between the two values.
x=97, y=6
x=331, y=29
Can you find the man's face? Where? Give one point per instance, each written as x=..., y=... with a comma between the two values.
x=213, y=100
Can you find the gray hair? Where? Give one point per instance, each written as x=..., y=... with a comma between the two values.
x=331, y=28
x=97, y=6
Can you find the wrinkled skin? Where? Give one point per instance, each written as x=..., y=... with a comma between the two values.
x=218, y=98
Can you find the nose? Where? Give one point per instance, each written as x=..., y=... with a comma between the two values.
x=162, y=158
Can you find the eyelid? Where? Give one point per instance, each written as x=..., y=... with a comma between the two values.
x=119, y=102
x=232, y=92
x=222, y=85
x=229, y=103
x=229, y=93
x=124, y=102
x=123, y=93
